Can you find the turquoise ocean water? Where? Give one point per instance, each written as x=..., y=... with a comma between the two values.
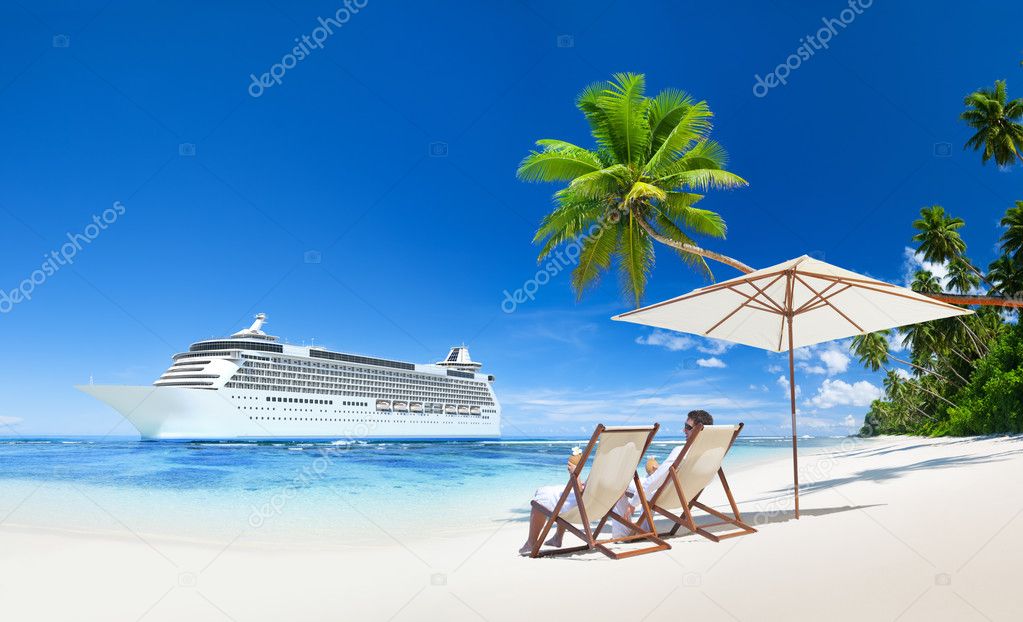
x=297, y=491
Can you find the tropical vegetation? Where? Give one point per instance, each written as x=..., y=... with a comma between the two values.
x=652, y=163
x=654, y=160
x=996, y=119
x=961, y=375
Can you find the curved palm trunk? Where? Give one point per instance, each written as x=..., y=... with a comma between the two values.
x=923, y=369
x=695, y=250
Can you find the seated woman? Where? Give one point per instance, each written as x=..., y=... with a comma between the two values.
x=548, y=496
x=656, y=474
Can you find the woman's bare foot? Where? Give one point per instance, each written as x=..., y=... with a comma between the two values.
x=526, y=549
x=554, y=541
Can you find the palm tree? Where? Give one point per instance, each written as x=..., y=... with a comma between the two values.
x=939, y=240
x=1007, y=275
x=924, y=282
x=653, y=161
x=961, y=278
x=996, y=120
x=1012, y=239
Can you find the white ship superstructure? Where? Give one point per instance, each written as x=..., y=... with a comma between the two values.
x=252, y=386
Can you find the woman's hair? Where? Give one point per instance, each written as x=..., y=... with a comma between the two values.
x=701, y=416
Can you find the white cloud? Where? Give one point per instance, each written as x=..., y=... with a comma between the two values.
x=802, y=354
x=715, y=346
x=672, y=341
x=902, y=373
x=835, y=360
x=711, y=362
x=849, y=421
x=833, y=393
x=773, y=369
x=783, y=382
x=526, y=410
x=813, y=369
x=677, y=342
x=9, y=420
x=914, y=261
x=896, y=341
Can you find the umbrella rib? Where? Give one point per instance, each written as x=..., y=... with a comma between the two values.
x=734, y=311
x=817, y=301
x=706, y=290
x=848, y=279
x=760, y=292
x=828, y=302
x=921, y=297
x=813, y=299
x=763, y=292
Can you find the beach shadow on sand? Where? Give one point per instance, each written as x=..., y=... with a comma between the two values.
x=756, y=519
x=887, y=473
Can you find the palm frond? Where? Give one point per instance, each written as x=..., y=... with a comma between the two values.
x=636, y=253
x=594, y=256
x=702, y=221
x=588, y=103
x=703, y=154
x=625, y=114
x=666, y=109
x=704, y=179
x=567, y=222
x=559, y=161
x=692, y=127
x=612, y=180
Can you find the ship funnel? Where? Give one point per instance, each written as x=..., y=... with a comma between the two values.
x=458, y=358
x=256, y=330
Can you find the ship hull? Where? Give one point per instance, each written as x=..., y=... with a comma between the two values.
x=175, y=413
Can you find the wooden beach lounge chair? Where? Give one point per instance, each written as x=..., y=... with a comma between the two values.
x=617, y=452
x=694, y=469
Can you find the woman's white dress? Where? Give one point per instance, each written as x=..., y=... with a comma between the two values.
x=548, y=496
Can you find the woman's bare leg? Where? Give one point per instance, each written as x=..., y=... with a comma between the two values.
x=536, y=523
x=555, y=540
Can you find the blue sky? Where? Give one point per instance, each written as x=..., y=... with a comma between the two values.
x=390, y=153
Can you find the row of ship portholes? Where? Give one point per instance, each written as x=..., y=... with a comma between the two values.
x=332, y=419
x=324, y=411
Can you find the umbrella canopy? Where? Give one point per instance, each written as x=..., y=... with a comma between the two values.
x=797, y=303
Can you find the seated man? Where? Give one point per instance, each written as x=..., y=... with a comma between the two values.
x=548, y=496
x=656, y=474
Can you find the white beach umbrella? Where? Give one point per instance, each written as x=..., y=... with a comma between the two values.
x=797, y=303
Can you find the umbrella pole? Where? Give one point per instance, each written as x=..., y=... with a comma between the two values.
x=792, y=397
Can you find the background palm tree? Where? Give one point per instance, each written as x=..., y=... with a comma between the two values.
x=999, y=134
x=652, y=162
x=939, y=241
x=1012, y=238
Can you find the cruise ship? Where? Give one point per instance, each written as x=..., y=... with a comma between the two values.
x=252, y=386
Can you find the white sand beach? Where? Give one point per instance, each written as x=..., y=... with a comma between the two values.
x=892, y=529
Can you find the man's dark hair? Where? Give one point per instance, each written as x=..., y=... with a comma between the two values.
x=701, y=416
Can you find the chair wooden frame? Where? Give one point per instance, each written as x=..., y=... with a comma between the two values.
x=686, y=519
x=587, y=534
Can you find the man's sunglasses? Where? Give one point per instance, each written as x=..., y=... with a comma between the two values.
x=689, y=428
